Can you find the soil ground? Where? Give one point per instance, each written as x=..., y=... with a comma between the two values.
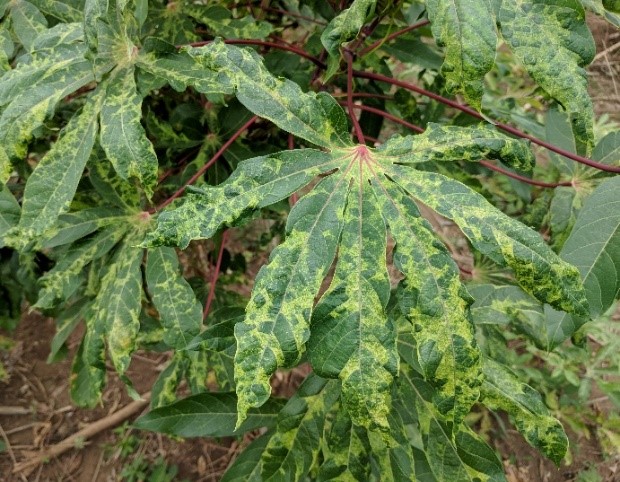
x=36, y=412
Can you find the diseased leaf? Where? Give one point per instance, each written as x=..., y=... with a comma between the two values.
x=435, y=303
x=61, y=282
x=344, y=28
x=316, y=118
x=350, y=336
x=182, y=70
x=180, y=311
x=276, y=326
x=208, y=415
x=502, y=390
x=553, y=42
x=452, y=143
x=119, y=304
x=122, y=136
x=256, y=183
x=221, y=23
x=66, y=322
x=293, y=449
x=463, y=456
x=27, y=21
x=53, y=183
x=347, y=454
x=506, y=241
x=165, y=387
x=61, y=10
x=467, y=31
x=9, y=212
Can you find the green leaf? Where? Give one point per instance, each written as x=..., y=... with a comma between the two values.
x=208, y=415
x=316, y=118
x=180, y=311
x=502, y=390
x=221, y=24
x=350, y=337
x=558, y=132
x=453, y=143
x=344, y=28
x=276, y=326
x=246, y=466
x=9, y=212
x=293, y=449
x=553, y=42
x=467, y=30
x=538, y=269
x=594, y=248
x=256, y=183
x=607, y=150
x=52, y=185
x=436, y=304
x=122, y=136
x=463, y=456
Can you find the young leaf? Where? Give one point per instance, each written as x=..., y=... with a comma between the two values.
x=180, y=311
x=467, y=30
x=208, y=415
x=344, y=28
x=350, y=337
x=502, y=390
x=122, y=136
x=555, y=59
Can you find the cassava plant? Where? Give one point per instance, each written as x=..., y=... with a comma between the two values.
x=131, y=127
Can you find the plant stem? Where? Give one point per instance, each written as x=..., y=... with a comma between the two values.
x=215, y=276
x=204, y=168
x=392, y=36
x=527, y=180
x=473, y=113
x=356, y=125
x=414, y=88
x=389, y=116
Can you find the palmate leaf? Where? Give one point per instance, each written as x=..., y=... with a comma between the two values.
x=344, y=28
x=469, y=34
x=363, y=189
